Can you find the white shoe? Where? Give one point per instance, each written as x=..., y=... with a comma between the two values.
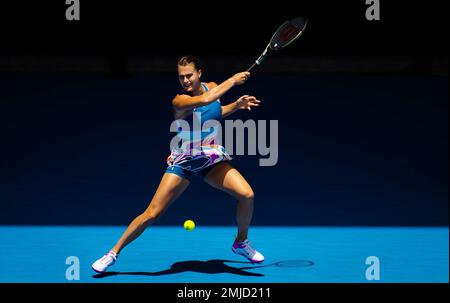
x=103, y=263
x=246, y=250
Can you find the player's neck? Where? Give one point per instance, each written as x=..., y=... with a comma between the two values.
x=199, y=91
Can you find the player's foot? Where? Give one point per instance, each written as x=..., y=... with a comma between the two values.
x=104, y=262
x=245, y=249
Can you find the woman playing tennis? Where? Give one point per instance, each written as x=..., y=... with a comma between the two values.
x=197, y=155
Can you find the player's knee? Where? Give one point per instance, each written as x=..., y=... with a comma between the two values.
x=248, y=195
x=151, y=216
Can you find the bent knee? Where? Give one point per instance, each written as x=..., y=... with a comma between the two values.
x=248, y=195
x=150, y=216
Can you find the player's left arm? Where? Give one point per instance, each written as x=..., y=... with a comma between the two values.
x=244, y=102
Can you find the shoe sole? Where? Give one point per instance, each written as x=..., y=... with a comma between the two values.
x=253, y=261
x=97, y=271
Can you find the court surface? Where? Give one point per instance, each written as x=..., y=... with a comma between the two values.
x=173, y=255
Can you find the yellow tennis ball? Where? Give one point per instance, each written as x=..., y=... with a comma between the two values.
x=189, y=225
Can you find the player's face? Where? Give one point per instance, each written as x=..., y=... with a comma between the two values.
x=189, y=77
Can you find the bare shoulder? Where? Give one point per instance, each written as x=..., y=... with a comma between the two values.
x=177, y=99
x=211, y=84
x=180, y=96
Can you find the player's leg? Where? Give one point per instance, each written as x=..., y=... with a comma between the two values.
x=225, y=177
x=169, y=189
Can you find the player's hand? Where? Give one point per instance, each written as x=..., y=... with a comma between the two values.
x=240, y=78
x=247, y=102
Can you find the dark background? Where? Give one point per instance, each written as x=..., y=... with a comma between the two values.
x=405, y=28
x=362, y=109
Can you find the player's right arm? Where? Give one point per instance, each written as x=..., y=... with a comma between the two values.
x=186, y=102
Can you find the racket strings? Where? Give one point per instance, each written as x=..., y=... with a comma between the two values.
x=288, y=32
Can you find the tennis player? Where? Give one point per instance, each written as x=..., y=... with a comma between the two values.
x=198, y=155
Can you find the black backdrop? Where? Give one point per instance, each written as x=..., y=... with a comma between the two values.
x=359, y=144
x=404, y=28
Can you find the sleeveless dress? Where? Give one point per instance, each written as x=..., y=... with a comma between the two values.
x=198, y=151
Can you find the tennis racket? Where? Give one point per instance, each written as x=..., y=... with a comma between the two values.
x=287, y=33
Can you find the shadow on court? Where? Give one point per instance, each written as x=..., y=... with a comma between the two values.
x=206, y=267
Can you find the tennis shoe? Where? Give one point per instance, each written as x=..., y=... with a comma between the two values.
x=104, y=262
x=245, y=249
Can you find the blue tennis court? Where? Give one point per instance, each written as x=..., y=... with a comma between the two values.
x=359, y=175
x=173, y=255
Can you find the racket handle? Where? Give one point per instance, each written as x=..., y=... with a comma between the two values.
x=253, y=66
x=260, y=59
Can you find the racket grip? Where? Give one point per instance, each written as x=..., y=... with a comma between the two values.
x=252, y=67
x=260, y=59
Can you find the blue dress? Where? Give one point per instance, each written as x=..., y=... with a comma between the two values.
x=198, y=150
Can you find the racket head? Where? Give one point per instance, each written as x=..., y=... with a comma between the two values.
x=287, y=33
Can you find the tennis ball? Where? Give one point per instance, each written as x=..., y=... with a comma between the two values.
x=189, y=225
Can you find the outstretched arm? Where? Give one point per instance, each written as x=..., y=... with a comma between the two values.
x=244, y=102
x=185, y=102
